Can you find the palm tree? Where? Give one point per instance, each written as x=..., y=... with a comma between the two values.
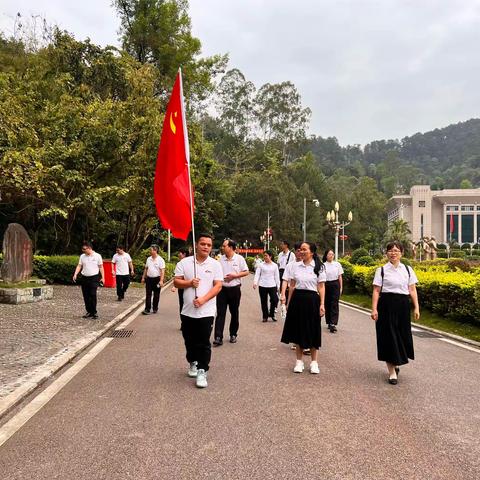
x=398, y=230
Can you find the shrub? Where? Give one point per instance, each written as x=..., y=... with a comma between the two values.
x=366, y=260
x=465, y=246
x=56, y=268
x=406, y=261
x=442, y=254
x=441, y=246
x=347, y=270
x=250, y=263
x=458, y=254
x=454, y=264
x=358, y=253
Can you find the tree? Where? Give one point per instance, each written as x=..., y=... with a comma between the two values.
x=465, y=184
x=398, y=230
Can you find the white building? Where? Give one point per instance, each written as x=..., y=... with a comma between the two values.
x=443, y=214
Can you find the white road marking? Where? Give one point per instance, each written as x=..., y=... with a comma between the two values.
x=355, y=309
x=22, y=417
x=458, y=344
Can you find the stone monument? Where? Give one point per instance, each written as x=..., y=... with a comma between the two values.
x=17, y=268
x=17, y=263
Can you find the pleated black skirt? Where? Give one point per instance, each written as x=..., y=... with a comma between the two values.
x=394, y=329
x=302, y=325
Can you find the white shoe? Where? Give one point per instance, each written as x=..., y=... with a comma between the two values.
x=192, y=371
x=299, y=366
x=201, y=378
x=314, y=367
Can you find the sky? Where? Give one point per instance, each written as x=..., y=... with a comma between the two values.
x=368, y=69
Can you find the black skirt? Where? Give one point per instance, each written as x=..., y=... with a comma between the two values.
x=302, y=325
x=394, y=329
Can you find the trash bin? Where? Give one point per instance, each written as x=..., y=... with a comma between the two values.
x=110, y=281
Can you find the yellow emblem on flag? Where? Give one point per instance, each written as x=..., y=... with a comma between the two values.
x=172, y=124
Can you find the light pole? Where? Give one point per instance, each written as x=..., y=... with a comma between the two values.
x=246, y=246
x=266, y=238
x=317, y=204
x=334, y=222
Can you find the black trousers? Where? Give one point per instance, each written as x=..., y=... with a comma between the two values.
x=196, y=334
x=332, y=297
x=228, y=296
x=266, y=292
x=89, y=292
x=151, y=284
x=180, y=299
x=123, y=281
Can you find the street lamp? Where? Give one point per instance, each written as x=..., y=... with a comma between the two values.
x=334, y=222
x=317, y=204
x=246, y=246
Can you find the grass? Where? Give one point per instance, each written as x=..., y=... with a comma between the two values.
x=427, y=318
x=21, y=285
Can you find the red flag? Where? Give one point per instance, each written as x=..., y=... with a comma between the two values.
x=452, y=224
x=172, y=188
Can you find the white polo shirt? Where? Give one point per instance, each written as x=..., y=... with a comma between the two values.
x=236, y=264
x=208, y=272
x=333, y=270
x=267, y=275
x=304, y=276
x=155, y=267
x=122, y=261
x=285, y=259
x=395, y=279
x=90, y=264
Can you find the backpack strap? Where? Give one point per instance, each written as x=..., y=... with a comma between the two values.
x=382, y=273
x=288, y=256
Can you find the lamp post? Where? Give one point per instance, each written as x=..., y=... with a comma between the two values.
x=317, y=204
x=334, y=222
x=246, y=246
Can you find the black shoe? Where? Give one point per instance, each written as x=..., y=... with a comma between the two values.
x=265, y=320
x=119, y=299
x=145, y=312
x=87, y=315
x=155, y=311
x=397, y=370
x=217, y=342
x=233, y=339
x=392, y=381
x=333, y=329
x=273, y=319
x=94, y=316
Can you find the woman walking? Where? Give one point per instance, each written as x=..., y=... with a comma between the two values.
x=333, y=289
x=303, y=323
x=267, y=279
x=393, y=286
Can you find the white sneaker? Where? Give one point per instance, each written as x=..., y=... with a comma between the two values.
x=314, y=367
x=299, y=366
x=201, y=378
x=192, y=371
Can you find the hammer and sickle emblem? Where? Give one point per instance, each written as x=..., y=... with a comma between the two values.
x=172, y=124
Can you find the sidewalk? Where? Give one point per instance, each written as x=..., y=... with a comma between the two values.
x=34, y=334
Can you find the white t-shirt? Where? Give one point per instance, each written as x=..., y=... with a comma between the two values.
x=122, y=261
x=395, y=279
x=304, y=276
x=285, y=259
x=208, y=272
x=90, y=264
x=155, y=267
x=333, y=270
x=236, y=264
x=267, y=275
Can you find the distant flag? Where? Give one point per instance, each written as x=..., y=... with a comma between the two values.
x=452, y=226
x=172, y=187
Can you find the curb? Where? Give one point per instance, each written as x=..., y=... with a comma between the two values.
x=56, y=362
x=458, y=338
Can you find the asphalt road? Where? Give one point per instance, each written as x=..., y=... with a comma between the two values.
x=132, y=413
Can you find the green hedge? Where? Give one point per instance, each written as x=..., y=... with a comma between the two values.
x=60, y=268
x=455, y=294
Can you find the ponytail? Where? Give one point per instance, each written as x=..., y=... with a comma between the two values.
x=319, y=266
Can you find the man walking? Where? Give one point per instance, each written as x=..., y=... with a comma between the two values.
x=200, y=278
x=91, y=266
x=124, y=266
x=153, y=276
x=285, y=257
x=234, y=268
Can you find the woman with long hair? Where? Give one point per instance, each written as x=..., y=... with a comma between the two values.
x=267, y=279
x=303, y=323
x=393, y=287
x=333, y=288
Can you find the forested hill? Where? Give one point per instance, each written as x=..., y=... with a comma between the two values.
x=444, y=158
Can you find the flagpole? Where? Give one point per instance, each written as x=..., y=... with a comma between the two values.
x=168, y=250
x=187, y=154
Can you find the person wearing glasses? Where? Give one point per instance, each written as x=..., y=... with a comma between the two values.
x=393, y=287
x=90, y=264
